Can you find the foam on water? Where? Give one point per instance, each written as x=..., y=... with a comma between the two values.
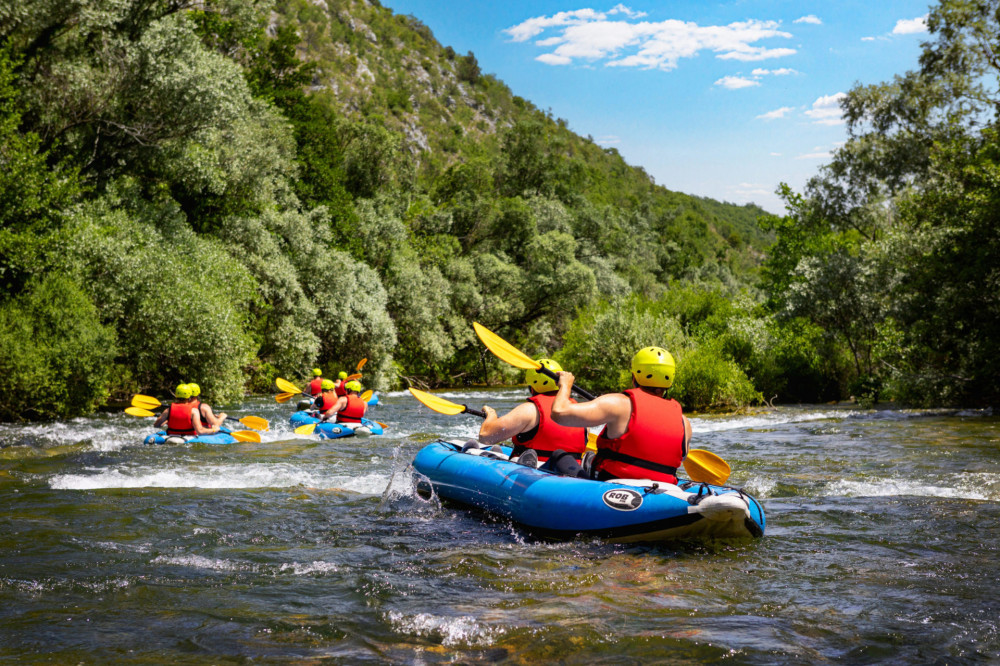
x=765, y=420
x=278, y=475
x=465, y=630
x=974, y=486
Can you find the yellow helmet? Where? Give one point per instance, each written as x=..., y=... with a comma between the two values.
x=183, y=391
x=195, y=390
x=342, y=375
x=653, y=367
x=543, y=383
x=353, y=385
x=317, y=372
x=327, y=385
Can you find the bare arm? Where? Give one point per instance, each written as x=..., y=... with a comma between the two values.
x=211, y=418
x=199, y=427
x=613, y=409
x=497, y=429
x=337, y=406
x=162, y=418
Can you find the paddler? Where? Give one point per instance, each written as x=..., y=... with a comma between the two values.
x=339, y=384
x=645, y=435
x=350, y=408
x=183, y=417
x=208, y=417
x=535, y=435
x=316, y=385
x=326, y=401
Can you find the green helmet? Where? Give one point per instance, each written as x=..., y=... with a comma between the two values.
x=183, y=391
x=543, y=383
x=653, y=367
x=342, y=375
x=195, y=390
x=317, y=372
x=327, y=385
x=353, y=385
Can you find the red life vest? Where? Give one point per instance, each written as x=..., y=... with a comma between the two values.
x=653, y=445
x=339, y=388
x=353, y=412
x=325, y=401
x=548, y=435
x=316, y=386
x=179, y=420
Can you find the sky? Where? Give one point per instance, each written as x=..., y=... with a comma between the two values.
x=719, y=99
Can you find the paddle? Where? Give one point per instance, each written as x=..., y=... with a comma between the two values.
x=507, y=353
x=145, y=401
x=701, y=465
x=287, y=386
x=238, y=435
x=361, y=364
x=284, y=397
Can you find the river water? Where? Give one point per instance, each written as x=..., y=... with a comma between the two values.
x=881, y=547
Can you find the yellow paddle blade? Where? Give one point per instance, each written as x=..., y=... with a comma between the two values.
x=706, y=467
x=138, y=411
x=285, y=397
x=361, y=364
x=367, y=395
x=145, y=401
x=504, y=350
x=591, y=442
x=356, y=375
x=384, y=426
x=306, y=429
x=245, y=436
x=439, y=405
x=256, y=422
x=287, y=386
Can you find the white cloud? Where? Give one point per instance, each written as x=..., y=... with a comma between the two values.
x=777, y=113
x=746, y=190
x=736, y=82
x=826, y=110
x=775, y=154
x=910, y=26
x=868, y=39
x=620, y=40
x=784, y=71
x=814, y=156
x=811, y=18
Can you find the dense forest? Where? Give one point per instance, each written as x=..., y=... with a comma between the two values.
x=226, y=191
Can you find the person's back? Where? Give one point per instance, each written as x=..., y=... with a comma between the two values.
x=645, y=434
x=353, y=407
x=316, y=385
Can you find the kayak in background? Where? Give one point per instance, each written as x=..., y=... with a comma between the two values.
x=222, y=437
x=334, y=430
x=562, y=507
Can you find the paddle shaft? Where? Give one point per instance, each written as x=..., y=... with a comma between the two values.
x=579, y=391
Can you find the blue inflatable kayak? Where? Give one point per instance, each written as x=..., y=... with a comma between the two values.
x=331, y=430
x=222, y=437
x=560, y=507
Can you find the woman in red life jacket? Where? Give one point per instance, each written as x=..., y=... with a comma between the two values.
x=535, y=435
x=183, y=416
x=351, y=408
x=208, y=416
x=645, y=434
x=326, y=402
x=316, y=385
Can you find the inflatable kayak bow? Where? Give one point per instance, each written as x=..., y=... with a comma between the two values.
x=332, y=430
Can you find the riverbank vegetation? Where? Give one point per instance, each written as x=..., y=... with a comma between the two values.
x=232, y=192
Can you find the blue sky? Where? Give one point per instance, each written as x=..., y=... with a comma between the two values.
x=719, y=99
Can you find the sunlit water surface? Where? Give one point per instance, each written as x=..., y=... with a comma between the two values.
x=882, y=547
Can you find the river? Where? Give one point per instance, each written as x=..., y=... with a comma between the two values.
x=881, y=547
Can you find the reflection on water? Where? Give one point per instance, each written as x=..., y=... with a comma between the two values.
x=883, y=531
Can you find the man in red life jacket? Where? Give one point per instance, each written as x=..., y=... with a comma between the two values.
x=183, y=417
x=316, y=385
x=351, y=408
x=208, y=416
x=339, y=385
x=326, y=402
x=530, y=426
x=645, y=434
